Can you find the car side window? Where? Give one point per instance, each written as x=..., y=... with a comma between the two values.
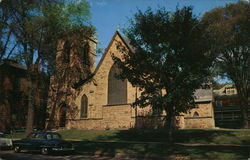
x=56, y=136
x=49, y=136
x=32, y=135
x=39, y=136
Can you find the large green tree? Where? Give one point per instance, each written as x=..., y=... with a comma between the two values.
x=7, y=46
x=36, y=26
x=228, y=32
x=169, y=61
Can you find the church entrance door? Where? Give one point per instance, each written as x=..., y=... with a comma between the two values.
x=62, y=121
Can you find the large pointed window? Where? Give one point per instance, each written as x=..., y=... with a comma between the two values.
x=84, y=106
x=117, y=89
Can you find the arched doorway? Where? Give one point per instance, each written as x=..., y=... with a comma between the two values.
x=62, y=115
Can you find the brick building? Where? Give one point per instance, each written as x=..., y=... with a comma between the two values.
x=14, y=98
x=227, y=107
x=100, y=101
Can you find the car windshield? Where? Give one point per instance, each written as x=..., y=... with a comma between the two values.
x=53, y=136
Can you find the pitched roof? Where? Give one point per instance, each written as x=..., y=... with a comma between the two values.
x=203, y=95
x=126, y=42
x=13, y=64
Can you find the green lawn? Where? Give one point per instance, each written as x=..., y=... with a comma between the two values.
x=123, y=141
x=205, y=136
x=166, y=150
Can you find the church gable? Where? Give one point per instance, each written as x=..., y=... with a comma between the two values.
x=112, y=48
x=114, y=91
x=103, y=102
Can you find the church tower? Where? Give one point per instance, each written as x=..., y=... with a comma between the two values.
x=75, y=64
x=76, y=52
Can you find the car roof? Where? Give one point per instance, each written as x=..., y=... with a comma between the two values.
x=45, y=133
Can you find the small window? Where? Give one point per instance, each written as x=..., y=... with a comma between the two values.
x=196, y=114
x=84, y=107
x=218, y=103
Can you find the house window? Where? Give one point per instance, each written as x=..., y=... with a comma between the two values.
x=218, y=103
x=84, y=106
x=196, y=114
x=117, y=89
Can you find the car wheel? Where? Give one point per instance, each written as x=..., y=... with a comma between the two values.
x=17, y=149
x=45, y=151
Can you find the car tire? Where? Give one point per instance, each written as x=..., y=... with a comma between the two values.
x=45, y=151
x=17, y=149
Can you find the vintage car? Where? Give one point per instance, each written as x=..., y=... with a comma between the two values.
x=45, y=142
x=5, y=142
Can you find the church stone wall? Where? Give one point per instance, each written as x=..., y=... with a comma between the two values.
x=100, y=114
x=118, y=117
x=104, y=116
x=205, y=118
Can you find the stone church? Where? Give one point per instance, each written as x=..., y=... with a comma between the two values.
x=83, y=96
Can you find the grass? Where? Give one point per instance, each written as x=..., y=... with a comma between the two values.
x=122, y=141
x=16, y=135
x=166, y=150
x=205, y=136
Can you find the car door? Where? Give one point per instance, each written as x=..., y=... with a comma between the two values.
x=27, y=143
x=37, y=141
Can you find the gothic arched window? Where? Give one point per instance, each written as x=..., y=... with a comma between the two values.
x=86, y=50
x=117, y=89
x=196, y=114
x=84, y=106
x=66, y=51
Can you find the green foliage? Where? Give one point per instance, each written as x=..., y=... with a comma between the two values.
x=169, y=61
x=36, y=27
x=228, y=32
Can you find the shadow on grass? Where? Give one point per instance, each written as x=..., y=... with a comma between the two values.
x=179, y=136
x=165, y=150
x=135, y=142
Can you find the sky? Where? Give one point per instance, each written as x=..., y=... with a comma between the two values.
x=111, y=15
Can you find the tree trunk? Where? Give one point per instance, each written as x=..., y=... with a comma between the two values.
x=242, y=95
x=30, y=116
x=244, y=117
x=50, y=123
x=33, y=96
x=169, y=118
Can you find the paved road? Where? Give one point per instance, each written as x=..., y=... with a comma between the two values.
x=10, y=155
